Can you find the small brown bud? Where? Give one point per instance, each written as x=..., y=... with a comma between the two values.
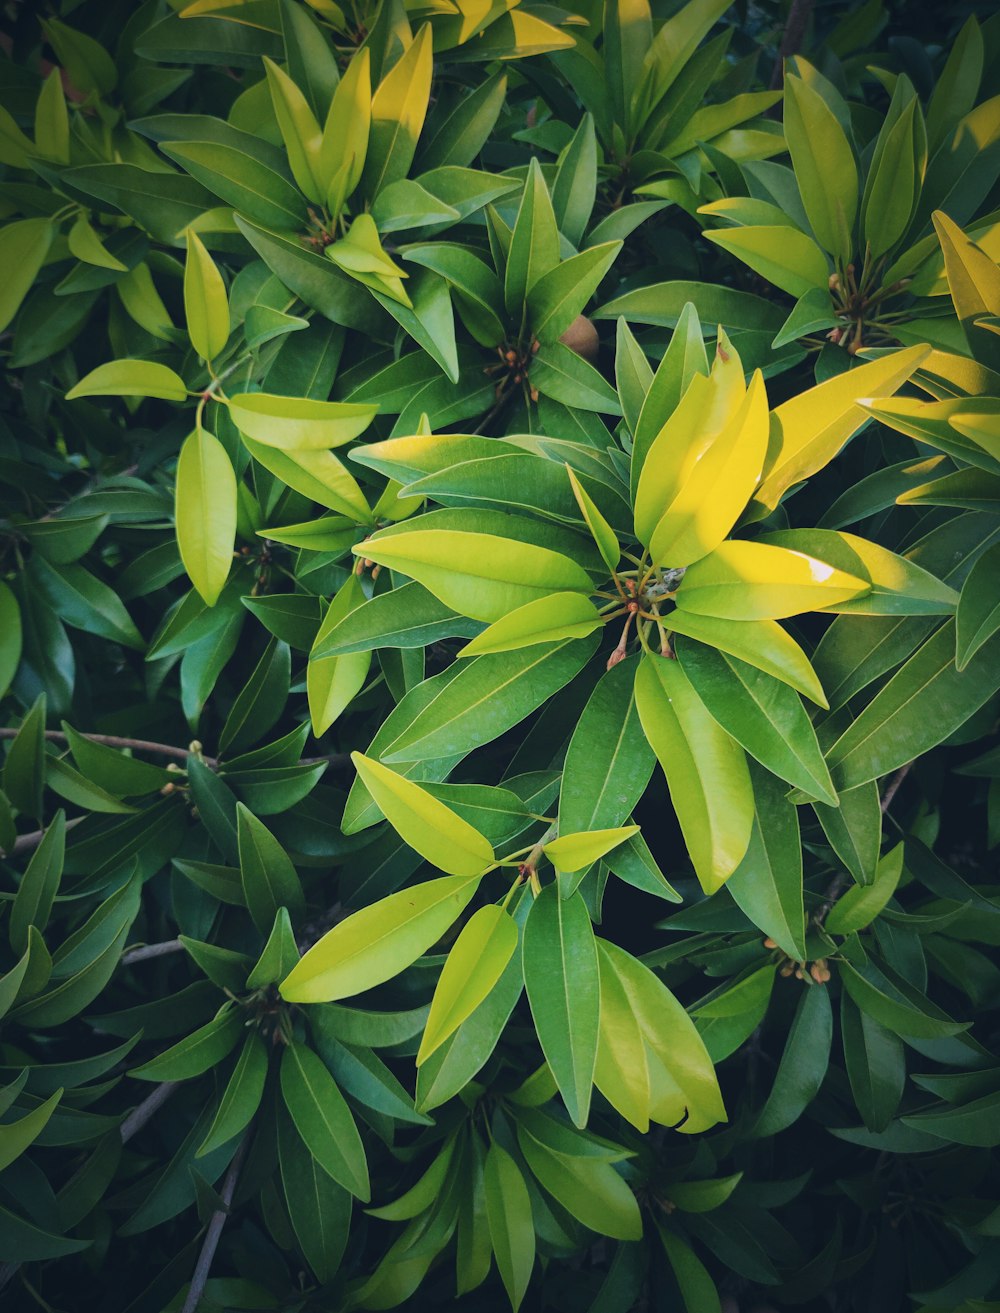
x=769, y=943
x=617, y=655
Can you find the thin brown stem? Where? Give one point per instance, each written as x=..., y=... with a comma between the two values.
x=114, y=741
x=150, y=1105
x=791, y=40
x=145, y=951
x=892, y=788
x=26, y=843
x=212, y=1236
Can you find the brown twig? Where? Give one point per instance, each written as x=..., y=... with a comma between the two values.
x=145, y=951
x=212, y=1236
x=114, y=741
x=792, y=38
x=24, y=843
x=892, y=788
x=150, y=1105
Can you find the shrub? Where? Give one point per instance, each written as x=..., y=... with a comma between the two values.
x=499, y=644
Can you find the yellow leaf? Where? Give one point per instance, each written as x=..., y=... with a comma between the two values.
x=705, y=409
x=431, y=828
x=754, y=581
x=399, y=107
x=298, y=424
x=810, y=429
x=713, y=488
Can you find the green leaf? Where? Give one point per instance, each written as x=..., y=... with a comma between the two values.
x=534, y=244
x=241, y=1097
x=901, y=1009
x=558, y=297
x=10, y=637
x=978, y=616
x=318, y=475
x=684, y=1090
x=406, y=617
x=562, y=978
x=924, y=701
x=270, y=881
x=590, y=1190
x=512, y=1233
x=575, y=852
x=767, y=884
x=860, y=905
x=379, y=942
x=697, y=1288
x=486, y=697
x=854, y=829
x=17, y=1136
x=621, y=1072
x=684, y=358
x=260, y=702
x=84, y=242
x=803, y=1063
x=24, y=769
x=131, y=378
x=88, y=64
x=323, y=1119
x=875, y=1062
x=333, y=682
x=24, y=246
x=761, y=713
x=559, y=373
x=299, y=131
x=206, y=512
x=824, y=166
x=206, y=305
x=279, y=955
x=198, y=1052
x=474, y=965
x=706, y=770
x=252, y=187
x=575, y=187
x=344, y=144
x=319, y=1209
x=39, y=885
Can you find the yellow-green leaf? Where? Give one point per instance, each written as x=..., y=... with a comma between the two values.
x=206, y=305
x=379, y=942
x=706, y=770
x=206, y=513
x=560, y=615
x=399, y=107
x=474, y=965
x=431, y=828
x=755, y=581
x=318, y=475
x=344, y=147
x=713, y=487
x=299, y=131
x=785, y=256
x=131, y=378
x=85, y=244
x=861, y=904
x=477, y=574
x=601, y=532
x=761, y=643
x=23, y=248
x=52, y=120
x=621, y=1072
x=298, y=424
x=333, y=682
x=572, y=852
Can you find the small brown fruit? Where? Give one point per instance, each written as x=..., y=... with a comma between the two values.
x=581, y=337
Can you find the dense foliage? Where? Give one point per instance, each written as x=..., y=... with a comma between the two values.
x=499, y=643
